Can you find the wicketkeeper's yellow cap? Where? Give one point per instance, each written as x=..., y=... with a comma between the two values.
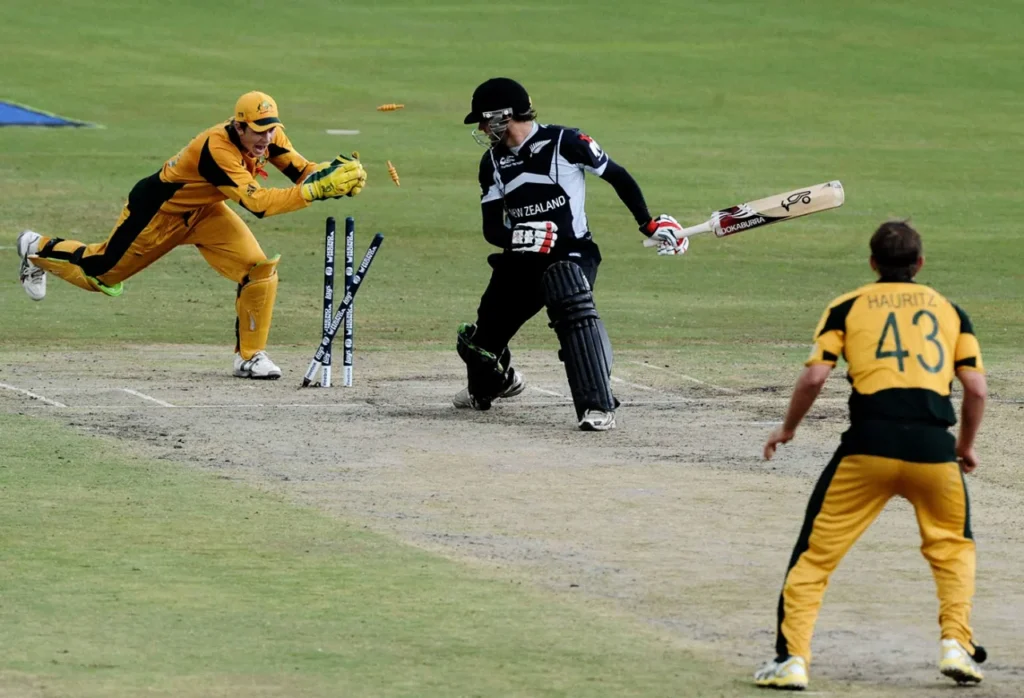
x=259, y=110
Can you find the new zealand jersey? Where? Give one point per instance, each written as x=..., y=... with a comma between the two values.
x=543, y=178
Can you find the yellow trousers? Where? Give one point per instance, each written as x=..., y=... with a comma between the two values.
x=850, y=494
x=139, y=239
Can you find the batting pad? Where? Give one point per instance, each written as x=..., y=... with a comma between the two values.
x=586, y=350
x=255, y=307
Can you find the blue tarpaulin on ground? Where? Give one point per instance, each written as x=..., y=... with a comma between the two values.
x=17, y=115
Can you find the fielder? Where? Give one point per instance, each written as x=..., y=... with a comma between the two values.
x=532, y=200
x=903, y=343
x=184, y=204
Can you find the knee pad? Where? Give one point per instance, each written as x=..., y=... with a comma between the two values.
x=585, y=348
x=255, y=308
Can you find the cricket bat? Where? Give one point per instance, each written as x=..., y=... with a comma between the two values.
x=772, y=209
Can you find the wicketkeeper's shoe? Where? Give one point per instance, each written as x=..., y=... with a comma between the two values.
x=597, y=420
x=33, y=279
x=259, y=367
x=788, y=674
x=958, y=664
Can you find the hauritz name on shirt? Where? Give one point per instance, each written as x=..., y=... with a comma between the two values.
x=918, y=299
x=534, y=209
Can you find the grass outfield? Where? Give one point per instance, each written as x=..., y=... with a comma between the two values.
x=708, y=104
x=128, y=577
x=124, y=577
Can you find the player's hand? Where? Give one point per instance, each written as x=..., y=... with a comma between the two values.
x=342, y=176
x=664, y=231
x=778, y=436
x=342, y=159
x=535, y=236
x=967, y=458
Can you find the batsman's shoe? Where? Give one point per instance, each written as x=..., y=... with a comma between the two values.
x=33, y=279
x=958, y=664
x=464, y=401
x=259, y=367
x=597, y=420
x=789, y=674
x=514, y=384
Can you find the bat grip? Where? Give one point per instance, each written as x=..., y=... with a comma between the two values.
x=704, y=227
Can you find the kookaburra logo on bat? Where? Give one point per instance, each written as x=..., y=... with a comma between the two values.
x=798, y=197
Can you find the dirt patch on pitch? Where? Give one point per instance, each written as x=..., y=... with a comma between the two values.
x=673, y=517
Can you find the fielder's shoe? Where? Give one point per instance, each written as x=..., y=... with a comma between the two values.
x=789, y=674
x=597, y=420
x=259, y=366
x=514, y=385
x=958, y=664
x=33, y=279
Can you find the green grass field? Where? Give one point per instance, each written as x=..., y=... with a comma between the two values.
x=132, y=578
x=125, y=578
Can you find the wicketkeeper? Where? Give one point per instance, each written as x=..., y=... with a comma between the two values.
x=903, y=344
x=532, y=200
x=184, y=204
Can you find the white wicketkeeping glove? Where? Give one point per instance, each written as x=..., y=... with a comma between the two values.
x=535, y=236
x=664, y=230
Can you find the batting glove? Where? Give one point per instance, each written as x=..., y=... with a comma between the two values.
x=538, y=236
x=665, y=231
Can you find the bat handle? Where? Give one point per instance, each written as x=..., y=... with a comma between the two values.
x=704, y=227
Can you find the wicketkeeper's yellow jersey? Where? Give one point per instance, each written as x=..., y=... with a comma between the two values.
x=215, y=167
x=903, y=343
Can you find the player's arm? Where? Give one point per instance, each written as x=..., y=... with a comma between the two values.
x=342, y=176
x=580, y=149
x=492, y=206
x=285, y=158
x=221, y=167
x=829, y=338
x=970, y=371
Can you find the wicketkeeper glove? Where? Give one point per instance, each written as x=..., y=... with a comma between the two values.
x=342, y=176
x=537, y=236
x=665, y=229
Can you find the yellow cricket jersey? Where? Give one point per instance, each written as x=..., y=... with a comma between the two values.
x=215, y=167
x=903, y=343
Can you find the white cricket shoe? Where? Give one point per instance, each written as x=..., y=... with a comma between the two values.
x=515, y=386
x=33, y=279
x=259, y=367
x=789, y=674
x=958, y=664
x=597, y=420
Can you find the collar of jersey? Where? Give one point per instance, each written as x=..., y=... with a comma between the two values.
x=533, y=132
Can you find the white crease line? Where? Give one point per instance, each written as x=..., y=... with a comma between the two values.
x=646, y=388
x=136, y=393
x=32, y=395
x=546, y=392
x=685, y=377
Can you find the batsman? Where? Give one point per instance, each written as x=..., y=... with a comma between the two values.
x=532, y=198
x=184, y=203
